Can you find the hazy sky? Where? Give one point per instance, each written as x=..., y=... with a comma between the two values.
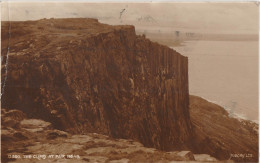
x=206, y=17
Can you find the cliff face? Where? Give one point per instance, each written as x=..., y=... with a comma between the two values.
x=83, y=76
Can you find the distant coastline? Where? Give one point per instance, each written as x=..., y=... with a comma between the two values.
x=177, y=38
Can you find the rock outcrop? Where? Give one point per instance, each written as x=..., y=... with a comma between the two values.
x=34, y=140
x=221, y=136
x=84, y=76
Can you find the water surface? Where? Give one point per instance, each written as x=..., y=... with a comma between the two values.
x=225, y=72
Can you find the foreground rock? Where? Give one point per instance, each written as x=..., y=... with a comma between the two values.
x=36, y=141
x=221, y=136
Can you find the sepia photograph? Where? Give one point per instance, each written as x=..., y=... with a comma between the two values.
x=129, y=82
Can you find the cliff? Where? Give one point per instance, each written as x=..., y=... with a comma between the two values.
x=84, y=76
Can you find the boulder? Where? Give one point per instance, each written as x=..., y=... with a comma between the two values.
x=53, y=134
x=204, y=158
x=186, y=155
x=15, y=114
x=35, y=123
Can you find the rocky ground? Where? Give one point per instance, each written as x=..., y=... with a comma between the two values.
x=34, y=140
x=222, y=136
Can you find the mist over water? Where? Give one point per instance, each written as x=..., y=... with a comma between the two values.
x=226, y=73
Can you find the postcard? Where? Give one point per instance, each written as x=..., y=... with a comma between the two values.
x=129, y=81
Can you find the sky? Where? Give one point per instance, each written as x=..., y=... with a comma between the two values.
x=209, y=17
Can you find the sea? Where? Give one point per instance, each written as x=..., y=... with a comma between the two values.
x=226, y=73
